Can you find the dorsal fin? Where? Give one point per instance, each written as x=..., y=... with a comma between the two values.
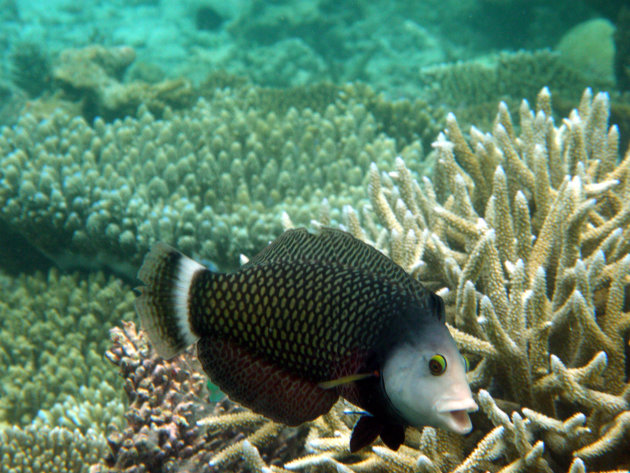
x=334, y=246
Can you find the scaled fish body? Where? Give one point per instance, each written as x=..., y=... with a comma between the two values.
x=309, y=319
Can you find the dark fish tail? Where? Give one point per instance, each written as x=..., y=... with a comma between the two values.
x=163, y=302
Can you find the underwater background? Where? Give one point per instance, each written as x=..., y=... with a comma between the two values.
x=470, y=140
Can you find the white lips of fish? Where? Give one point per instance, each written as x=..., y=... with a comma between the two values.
x=422, y=398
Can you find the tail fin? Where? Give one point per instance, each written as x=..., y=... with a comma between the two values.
x=163, y=301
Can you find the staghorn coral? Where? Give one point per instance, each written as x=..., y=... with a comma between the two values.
x=48, y=449
x=526, y=237
x=250, y=442
x=211, y=180
x=53, y=331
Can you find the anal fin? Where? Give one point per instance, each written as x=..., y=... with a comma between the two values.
x=262, y=386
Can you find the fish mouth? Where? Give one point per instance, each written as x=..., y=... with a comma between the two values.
x=454, y=414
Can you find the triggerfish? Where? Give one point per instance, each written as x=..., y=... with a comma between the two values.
x=310, y=318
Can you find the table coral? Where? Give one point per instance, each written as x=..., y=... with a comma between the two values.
x=498, y=77
x=410, y=122
x=94, y=75
x=211, y=181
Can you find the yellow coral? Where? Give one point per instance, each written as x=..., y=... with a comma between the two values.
x=527, y=247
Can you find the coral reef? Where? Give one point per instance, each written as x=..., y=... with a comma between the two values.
x=293, y=43
x=526, y=237
x=93, y=76
x=53, y=332
x=212, y=180
x=499, y=77
x=165, y=400
x=524, y=229
x=330, y=41
x=165, y=431
x=50, y=450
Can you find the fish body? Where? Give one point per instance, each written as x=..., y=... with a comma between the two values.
x=311, y=318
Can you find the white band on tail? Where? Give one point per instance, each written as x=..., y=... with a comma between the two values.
x=185, y=273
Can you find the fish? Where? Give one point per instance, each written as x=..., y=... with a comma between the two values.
x=311, y=318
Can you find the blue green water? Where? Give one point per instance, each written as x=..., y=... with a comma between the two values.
x=293, y=99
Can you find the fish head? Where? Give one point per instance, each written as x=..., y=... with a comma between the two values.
x=424, y=378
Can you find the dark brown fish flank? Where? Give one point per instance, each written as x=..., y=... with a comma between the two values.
x=310, y=309
x=303, y=315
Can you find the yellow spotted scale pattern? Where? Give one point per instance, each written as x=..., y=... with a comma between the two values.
x=306, y=316
x=330, y=245
x=308, y=308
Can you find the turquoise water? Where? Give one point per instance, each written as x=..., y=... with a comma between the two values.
x=210, y=125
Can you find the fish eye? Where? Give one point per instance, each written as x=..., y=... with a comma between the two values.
x=437, y=365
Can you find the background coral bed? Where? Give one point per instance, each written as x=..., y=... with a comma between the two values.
x=222, y=126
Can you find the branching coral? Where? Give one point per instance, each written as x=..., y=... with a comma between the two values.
x=526, y=237
x=165, y=399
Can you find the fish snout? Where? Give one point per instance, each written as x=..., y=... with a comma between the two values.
x=454, y=413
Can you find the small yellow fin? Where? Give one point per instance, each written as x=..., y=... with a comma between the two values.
x=333, y=383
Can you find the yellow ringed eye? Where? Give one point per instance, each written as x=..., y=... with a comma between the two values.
x=437, y=365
